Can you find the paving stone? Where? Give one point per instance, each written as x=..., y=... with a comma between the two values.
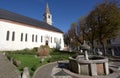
x=7, y=70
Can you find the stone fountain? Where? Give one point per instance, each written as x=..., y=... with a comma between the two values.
x=88, y=65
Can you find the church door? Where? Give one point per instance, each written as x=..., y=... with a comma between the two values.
x=46, y=43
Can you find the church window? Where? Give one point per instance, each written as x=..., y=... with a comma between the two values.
x=60, y=41
x=36, y=38
x=48, y=16
x=26, y=37
x=51, y=39
x=54, y=40
x=32, y=38
x=21, y=36
x=41, y=38
x=13, y=36
x=7, y=36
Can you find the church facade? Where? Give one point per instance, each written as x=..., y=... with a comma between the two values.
x=18, y=32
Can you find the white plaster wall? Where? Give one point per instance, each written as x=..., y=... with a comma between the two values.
x=25, y=29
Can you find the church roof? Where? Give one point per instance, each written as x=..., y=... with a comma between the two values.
x=4, y=14
x=47, y=9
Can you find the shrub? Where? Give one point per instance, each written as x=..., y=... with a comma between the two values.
x=43, y=51
x=35, y=49
x=51, y=50
x=25, y=51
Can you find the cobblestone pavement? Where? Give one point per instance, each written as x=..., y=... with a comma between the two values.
x=7, y=70
x=49, y=70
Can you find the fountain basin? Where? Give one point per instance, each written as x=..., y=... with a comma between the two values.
x=94, y=66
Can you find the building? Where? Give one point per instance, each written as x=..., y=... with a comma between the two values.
x=19, y=32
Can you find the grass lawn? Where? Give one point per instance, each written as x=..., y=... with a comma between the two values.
x=30, y=61
x=27, y=61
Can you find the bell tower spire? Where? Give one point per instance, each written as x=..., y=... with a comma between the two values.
x=47, y=15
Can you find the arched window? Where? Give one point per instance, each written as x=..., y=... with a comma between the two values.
x=60, y=41
x=41, y=38
x=36, y=38
x=21, y=36
x=33, y=38
x=26, y=37
x=51, y=39
x=13, y=36
x=7, y=36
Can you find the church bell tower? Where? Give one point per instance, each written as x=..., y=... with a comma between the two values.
x=47, y=15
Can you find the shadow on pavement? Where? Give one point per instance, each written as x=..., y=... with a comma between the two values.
x=62, y=65
x=118, y=77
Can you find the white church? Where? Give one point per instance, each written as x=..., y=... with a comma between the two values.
x=18, y=32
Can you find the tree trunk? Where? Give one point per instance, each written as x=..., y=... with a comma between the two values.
x=92, y=44
x=103, y=47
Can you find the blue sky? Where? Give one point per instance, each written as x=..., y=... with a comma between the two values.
x=64, y=12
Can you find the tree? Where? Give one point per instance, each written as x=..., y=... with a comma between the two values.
x=91, y=25
x=66, y=39
x=104, y=20
x=82, y=26
x=70, y=37
x=87, y=30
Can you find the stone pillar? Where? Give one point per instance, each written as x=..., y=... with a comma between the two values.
x=79, y=70
x=93, y=69
x=86, y=55
x=113, y=54
x=106, y=68
x=25, y=73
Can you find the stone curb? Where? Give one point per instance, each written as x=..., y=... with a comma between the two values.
x=46, y=65
x=41, y=67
